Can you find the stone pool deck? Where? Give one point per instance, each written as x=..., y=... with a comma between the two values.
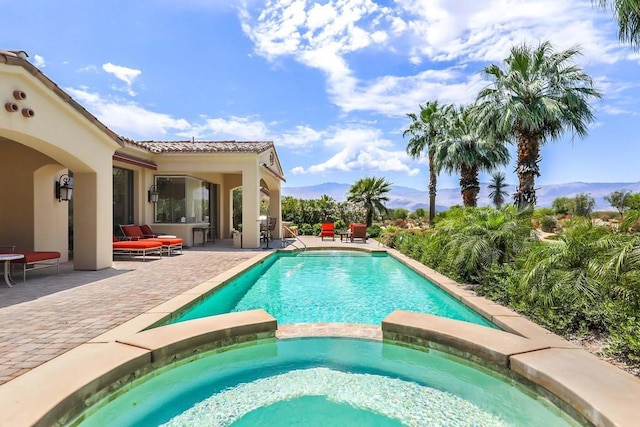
x=97, y=316
x=49, y=315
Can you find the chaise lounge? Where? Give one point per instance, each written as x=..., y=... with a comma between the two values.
x=137, y=247
x=33, y=260
x=169, y=244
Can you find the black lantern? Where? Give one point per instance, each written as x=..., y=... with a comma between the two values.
x=64, y=188
x=152, y=194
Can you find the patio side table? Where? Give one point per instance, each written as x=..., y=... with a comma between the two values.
x=344, y=235
x=7, y=258
x=203, y=230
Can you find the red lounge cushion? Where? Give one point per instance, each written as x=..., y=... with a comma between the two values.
x=36, y=256
x=137, y=244
x=167, y=240
x=146, y=230
x=132, y=231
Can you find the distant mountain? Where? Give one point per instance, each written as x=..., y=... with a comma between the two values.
x=411, y=199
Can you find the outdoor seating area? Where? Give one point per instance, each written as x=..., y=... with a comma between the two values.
x=133, y=248
x=266, y=230
x=359, y=231
x=328, y=231
x=30, y=261
x=170, y=244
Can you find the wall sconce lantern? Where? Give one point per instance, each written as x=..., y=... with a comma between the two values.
x=152, y=194
x=64, y=188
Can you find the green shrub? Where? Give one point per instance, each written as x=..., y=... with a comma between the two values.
x=624, y=340
x=389, y=236
x=540, y=213
x=316, y=229
x=340, y=225
x=306, y=230
x=548, y=224
x=373, y=231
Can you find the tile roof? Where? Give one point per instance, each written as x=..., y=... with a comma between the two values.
x=204, y=146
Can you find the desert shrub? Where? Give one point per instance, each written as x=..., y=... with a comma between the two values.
x=306, y=230
x=316, y=229
x=548, y=224
x=499, y=283
x=605, y=215
x=400, y=213
x=624, y=339
x=401, y=223
x=587, y=282
x=389, y=235
x=374, y=231
x=542, y=212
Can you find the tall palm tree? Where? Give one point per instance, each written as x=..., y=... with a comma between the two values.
x=538, y=97
x=371, y=193
x=462, y=150
x=497, y=186
x=627, y=12
x=425, y=132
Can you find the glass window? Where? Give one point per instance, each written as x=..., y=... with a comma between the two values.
x=181, y=199
x=122, y=198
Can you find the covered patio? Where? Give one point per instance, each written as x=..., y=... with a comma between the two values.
x=48, y=141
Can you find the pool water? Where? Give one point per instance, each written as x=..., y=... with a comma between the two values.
x=331, y=286
x=320, y=382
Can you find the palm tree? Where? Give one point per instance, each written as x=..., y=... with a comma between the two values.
x=462, y=150
x=627, y=12
x=425, y=132
x=538, y=96
x=469, y=241
x=371, y=193
x=497, y=187
x=566, y=269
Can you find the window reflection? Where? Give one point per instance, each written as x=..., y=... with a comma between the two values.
x=181, y=199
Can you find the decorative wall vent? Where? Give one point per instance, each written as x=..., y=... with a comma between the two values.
x=19, y=95
x=11, y=107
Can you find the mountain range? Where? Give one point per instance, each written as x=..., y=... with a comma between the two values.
x=411, y=198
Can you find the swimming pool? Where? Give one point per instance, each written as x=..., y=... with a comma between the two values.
x=331, y=286
x=321, y=381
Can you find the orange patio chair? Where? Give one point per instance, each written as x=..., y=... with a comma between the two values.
x=148, y=232
x=328, y=231
x=359, y=232
x=142, y=247
x=169, y=245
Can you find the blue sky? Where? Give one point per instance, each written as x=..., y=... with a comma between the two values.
x=330, y=82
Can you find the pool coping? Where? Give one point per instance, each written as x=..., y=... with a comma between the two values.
x=594, y=389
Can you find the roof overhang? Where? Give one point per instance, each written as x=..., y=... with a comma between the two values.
x=274, y=172
x=125, y=158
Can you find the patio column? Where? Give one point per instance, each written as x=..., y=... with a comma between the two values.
x=250, y=207
x=275, y=209
x=92, y=218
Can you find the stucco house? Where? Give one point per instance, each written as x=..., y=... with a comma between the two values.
x=48, y=140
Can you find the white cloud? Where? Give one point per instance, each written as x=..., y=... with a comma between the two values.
x=128, y=118
x=240, y=128
x=301, y=136
x=125, y=74
x=297, y=170
x=430, y=34
x=134, y=121
x=360, y=148
x=88, y=69
x=39, y=61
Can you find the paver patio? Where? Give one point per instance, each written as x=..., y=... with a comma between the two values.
x=49, y=315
